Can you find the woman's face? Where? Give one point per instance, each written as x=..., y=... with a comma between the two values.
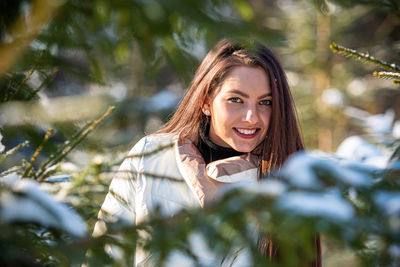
x=241, y=109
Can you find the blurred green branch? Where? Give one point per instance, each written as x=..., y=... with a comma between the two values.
x=26, y=29
x=16, y=92
x=11, y=151
x=395, y=76
x=45, y=81
x=363, y=57
x=145, y=154
x=36, y=154
x=70, y=144
x=394, y=69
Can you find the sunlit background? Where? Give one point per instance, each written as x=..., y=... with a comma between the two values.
x=65, y=62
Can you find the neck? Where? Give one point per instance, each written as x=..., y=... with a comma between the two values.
x=212, y=152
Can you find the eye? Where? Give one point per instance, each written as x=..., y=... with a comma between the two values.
x=266, y=102
x=235, y=100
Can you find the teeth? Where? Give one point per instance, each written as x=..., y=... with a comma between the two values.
x=242, y=131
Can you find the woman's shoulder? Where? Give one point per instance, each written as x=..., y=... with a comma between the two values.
x=154, y=141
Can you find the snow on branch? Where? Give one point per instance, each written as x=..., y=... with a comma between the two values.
x=22, y=200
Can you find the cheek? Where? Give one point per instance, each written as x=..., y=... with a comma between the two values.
x=266, y=118
x=222, y=115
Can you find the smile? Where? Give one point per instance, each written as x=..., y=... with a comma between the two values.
x=246, y=133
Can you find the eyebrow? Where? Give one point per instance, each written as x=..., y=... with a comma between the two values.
x=247, y=96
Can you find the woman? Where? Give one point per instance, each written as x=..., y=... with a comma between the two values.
x=236, y=123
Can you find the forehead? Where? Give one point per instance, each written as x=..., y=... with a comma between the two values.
x=250, y=80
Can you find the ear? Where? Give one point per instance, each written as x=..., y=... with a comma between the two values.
x=206, y=109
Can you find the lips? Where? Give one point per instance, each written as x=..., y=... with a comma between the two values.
x=247, y=133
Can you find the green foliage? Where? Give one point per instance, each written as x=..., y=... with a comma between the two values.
x=395, y=76
x=394, y=69
x=150, y=45
x=49, y=166
x=69, y=145
x=228, y=224
x=105, y=31
x=388, y=6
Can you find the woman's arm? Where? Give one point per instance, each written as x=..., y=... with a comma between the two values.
x=119, y=204
x=118, y=209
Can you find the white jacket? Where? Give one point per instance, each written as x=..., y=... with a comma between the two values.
x=162, y=172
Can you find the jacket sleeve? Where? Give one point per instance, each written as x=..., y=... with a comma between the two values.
x=119, y=204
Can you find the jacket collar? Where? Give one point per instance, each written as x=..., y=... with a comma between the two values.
x=206, y=180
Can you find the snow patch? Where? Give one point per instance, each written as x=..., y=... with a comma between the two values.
x=307, y=169
x=327, y=204
x=2, y=147
x=356, y=148
x=298, y=170
x=266, y=187
x=23, y=200
x=389, y=202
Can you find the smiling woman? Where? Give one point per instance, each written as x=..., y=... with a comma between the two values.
x=241, y=110
x=235, y=124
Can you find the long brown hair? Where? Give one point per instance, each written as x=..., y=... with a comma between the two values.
x=283, y=136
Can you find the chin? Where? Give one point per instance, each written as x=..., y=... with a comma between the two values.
x=244, y=149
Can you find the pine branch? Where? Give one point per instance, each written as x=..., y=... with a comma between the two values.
x=36, y=154
x=13, y=150
x=365, y=57
x=27, y=76
x=51, y=158
x=395, y=76
x=48, y=172
x=22, y=84
x=72, y=144
x=10, y=170
x=155, y=151
x=137, y=173
x=396, y=154
x=43, y=83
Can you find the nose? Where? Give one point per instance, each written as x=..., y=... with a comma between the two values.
x=251, y=115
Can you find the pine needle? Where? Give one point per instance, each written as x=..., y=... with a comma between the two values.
x=72, y=143
x=10, y=170
x=388, y=76
x=137, y=173
x=47, y=173
x=36, y=154
x=348, y=52
x=28, y=75
x=155, y=151
x=43, y=83
x=64, y=146
x=15, y=149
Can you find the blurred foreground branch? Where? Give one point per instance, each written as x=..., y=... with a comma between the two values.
x=394, y=69
x=68, y=145
x=25, y=30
